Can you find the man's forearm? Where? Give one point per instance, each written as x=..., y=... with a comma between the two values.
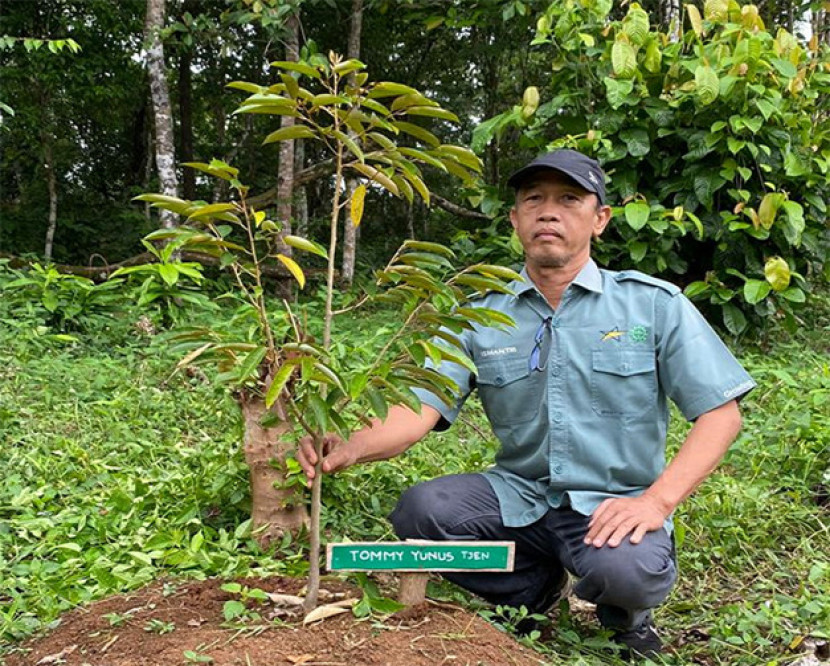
x=394, y=435
x=704, y=447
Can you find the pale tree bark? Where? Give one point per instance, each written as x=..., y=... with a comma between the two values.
x=350, y=230
x=300, y=194
x=285, y=172
x=51, y=181
x=162, y=111
x=671, y=18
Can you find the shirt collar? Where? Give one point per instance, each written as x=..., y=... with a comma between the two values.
x=588, y=278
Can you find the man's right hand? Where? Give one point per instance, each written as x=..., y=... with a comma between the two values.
x=337, y=454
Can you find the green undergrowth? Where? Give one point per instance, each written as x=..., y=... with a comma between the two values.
x=117, y=472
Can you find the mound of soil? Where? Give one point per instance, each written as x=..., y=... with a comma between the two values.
x=168, y=624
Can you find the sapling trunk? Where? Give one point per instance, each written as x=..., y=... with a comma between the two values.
x=313, y=589
x=273, y=510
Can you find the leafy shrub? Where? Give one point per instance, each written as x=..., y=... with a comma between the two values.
x=717, y=145
x=59, y=301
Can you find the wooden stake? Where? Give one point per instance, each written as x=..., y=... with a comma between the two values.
x=413, y=588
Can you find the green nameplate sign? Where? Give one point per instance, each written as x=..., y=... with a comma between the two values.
x=421, y=556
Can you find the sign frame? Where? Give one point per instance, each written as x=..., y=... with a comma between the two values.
x=422, y=546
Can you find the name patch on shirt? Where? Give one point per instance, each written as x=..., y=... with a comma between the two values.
x=501, y=351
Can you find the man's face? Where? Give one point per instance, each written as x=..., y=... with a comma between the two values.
x=555, y=220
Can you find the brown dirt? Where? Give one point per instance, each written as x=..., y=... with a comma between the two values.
x=428, y=635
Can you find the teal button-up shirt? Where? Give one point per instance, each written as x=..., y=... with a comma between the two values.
x=585, y=417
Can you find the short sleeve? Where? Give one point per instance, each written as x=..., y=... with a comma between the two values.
x=463, y=378
x=696, y=369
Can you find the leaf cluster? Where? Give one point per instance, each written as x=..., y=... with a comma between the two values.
x=716, y=140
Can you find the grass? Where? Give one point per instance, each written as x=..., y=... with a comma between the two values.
x=116, y=473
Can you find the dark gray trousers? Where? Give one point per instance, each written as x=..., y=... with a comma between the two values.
x=625, y=582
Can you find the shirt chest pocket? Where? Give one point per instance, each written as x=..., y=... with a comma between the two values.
x=623, y=382
x=509, y=391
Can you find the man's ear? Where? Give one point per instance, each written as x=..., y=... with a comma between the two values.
x=602, y=220
x=513, y=217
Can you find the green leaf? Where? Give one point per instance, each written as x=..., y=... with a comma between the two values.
x=733, y=319
x=795, y=222
x=350, y=143
x=250, y=366
x=348, y=66
x=247, y=87
x=637, y=214
x=289, y=133
x=501, y=272
x=418, y=132
x=320, y=412
x=785, y=68
x=377, y=402
x=169, y=273
x=794, y=294
x=376, y=175
x=637, y=250
x=707, y=85
x=433, y=112
x=696, y=289
x=389, y=89
x=279, y=381
x=617, y=92
x=636, y=141
x=425, y=246
x=300, y=67
x=306, y=245
x=233, y=609
x=756, y=291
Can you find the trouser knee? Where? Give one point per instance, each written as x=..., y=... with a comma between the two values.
x=627, y=577
x=417, y=514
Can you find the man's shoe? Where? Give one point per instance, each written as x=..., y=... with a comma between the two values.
x=640, y=643
x=554, y=595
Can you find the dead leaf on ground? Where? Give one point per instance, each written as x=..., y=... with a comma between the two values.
x=284, y=600
x=58, y=656
x=329, y=610
x=300, y=658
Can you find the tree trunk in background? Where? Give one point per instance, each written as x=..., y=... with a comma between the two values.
x=49, y=164
x=300, y=194
x=285, y=173
x=410, y=220
x=671, y=18
x=162, y=111
x=350, y=231
x=186, y=123
x=273, y=509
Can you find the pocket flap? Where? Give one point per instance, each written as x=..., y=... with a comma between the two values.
x=624, y=363
x=502, y=372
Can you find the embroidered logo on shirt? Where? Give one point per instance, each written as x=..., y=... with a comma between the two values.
x=614, y=334
x=638, y=333
x=498, y=352
x=740, y=388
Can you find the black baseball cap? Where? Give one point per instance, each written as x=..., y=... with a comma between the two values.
x=585, y=171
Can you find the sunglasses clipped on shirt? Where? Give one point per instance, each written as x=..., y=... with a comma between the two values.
x=539, y=354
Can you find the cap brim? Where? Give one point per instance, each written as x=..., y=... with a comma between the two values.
x=523, y=174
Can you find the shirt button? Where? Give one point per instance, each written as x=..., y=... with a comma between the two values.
x=555, y=323
x=499, y=381
x=558, y=469
x=555, y=370
x=557, y=416
x=626, y=367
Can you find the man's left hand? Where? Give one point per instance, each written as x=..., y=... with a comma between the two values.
x=614, y=519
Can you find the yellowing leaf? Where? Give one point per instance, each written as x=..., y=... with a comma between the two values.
x=769, y=208
x=530, y=101
x=623, y=60
x=654, y=57
x=777, y=272
x=707, y=84
x=636, y=24
x=695, y=19
x=330, y=610
x=357, y=205
x=293, y=268
x=306, y=245
x=716, y=11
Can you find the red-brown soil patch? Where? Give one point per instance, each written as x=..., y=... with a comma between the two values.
x=428, y=635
